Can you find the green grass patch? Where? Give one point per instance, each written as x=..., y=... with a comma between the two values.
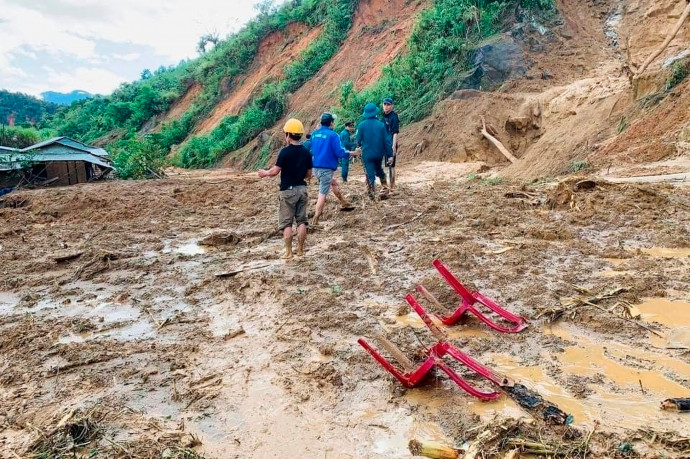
x=579, y=165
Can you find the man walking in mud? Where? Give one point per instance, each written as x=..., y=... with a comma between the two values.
x=375, y=143
x=392, y=122
x=326, y=149
x=348, y=144
x=294, y=164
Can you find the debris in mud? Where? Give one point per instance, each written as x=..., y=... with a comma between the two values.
x=219, y=239
x=510, y=438
x=564, y=195
x=535, y=404
x=571, y=306
x=92, y=429
x=432, y=450
x=239, y=270
x=234, y=334
x=676, y=404
x=67, y=257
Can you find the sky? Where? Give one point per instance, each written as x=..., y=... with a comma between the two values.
x=95, y=45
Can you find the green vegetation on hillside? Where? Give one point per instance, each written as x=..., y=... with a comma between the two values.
x=266, y=109
x=443, y=42
x=440, y=52
x=20, y=137
x=23, y=108
x=131, y=106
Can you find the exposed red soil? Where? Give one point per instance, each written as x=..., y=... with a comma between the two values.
x=274, y=53
x=378, y=35
x=181, y=106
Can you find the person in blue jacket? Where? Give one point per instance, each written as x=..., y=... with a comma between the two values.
x=326, y=149
x=348, y=144
x=376, y=145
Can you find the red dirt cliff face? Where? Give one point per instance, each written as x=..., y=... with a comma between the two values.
x=378, y=35
x=274, y=53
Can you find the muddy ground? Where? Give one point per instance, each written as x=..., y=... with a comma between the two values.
x=132, y=347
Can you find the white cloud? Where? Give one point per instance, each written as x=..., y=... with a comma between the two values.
x=129, y=57
x=73, y=28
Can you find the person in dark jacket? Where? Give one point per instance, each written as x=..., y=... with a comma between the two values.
x=326, y=149
x=348, y=144
x=376, y=145
x=392, y=122
x=307, y=143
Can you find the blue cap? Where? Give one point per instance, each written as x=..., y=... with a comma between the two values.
x=388, y=100
x=370, y=110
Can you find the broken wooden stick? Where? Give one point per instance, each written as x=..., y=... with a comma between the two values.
x=394, y=352
x=398, y=225
x=669, y=38
x=240, y=270
x=497, y=143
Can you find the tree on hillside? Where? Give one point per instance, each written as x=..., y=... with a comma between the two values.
x=205, y=40
x=265, y=7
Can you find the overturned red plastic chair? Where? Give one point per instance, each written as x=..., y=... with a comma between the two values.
x=411, y=377
x=470, y=301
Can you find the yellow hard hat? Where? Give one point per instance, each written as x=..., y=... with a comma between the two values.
x=293, y=126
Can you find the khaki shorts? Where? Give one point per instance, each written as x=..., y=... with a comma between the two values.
x=293, y=206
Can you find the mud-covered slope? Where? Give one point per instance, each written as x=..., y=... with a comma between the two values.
x=576, y=104
x=567, y=96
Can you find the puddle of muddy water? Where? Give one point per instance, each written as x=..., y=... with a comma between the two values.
x=615, y=402
x=663, y=252
x=678, y=338
x=137, y=330
x=7, y=302
x=616, y=261
x=667, y=312
x=639, y=377
x=190, y=248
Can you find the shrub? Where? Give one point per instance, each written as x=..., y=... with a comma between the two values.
x=137, y=159
x=679, y=73
x=577, y=166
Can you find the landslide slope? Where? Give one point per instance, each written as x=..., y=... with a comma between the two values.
x=551, y=78
x=561, y=95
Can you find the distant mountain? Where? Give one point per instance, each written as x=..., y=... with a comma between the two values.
x=18, y=108
x=62, y=98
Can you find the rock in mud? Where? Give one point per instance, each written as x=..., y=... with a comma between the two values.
x=218, y=239
x=495, y=63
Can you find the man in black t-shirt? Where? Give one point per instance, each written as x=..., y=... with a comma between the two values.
x=392, y=122
x=294, y=165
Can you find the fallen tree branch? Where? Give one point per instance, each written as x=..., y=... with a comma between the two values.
x=497, y=143
x=669, y=38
